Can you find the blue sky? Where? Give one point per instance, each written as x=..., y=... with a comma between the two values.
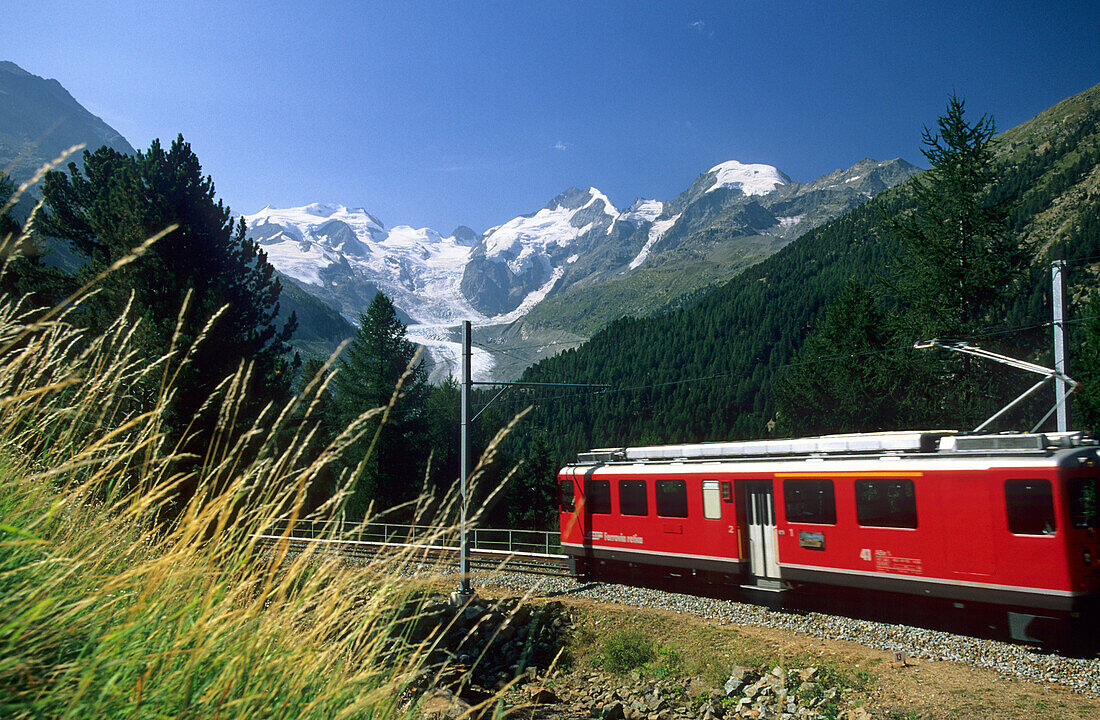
x=444, y=113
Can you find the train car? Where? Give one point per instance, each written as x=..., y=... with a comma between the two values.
x=1006, y=523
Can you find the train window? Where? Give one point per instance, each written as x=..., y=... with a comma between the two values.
x=712, y=501
x=672, y=498
x=1030, y=506
x=809, y=500
x=1084, y=507
x=597, y=496
x=632, y=497
x=886, y=503
x=565, y=498
x=727, y=491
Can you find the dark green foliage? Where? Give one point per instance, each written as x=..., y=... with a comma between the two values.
x=706, y=370
x=375, y=360
x=960, y=264
x=8, y=225
x=24, y=273
x=531, y=498
x=442, y=433
x=114, y=204
x=1086, y=401
x=842, y=379
x=368, y=376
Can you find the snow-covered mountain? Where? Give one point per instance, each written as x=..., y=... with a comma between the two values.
x=340, y=253
x=749, y=179
x=345, y=255
x=578, y=241
x=518, y=263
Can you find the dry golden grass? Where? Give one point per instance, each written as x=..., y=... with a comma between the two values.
x=109, y=610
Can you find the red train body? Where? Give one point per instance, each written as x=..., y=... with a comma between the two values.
x=1008, y=522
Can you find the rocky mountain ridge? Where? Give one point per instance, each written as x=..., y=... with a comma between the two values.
x=39, y=120
x=575, y=246
x=541, y=282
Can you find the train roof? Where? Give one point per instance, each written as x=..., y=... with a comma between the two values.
x=928, y=443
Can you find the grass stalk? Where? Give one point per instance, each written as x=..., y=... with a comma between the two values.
x=107, y=610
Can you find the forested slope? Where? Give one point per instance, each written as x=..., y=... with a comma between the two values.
x=704, y=372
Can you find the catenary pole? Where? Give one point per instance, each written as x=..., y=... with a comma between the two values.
x=1058, y=301
x=464, y=589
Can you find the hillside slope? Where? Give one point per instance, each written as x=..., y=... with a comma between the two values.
x=321, y=328
x=711, y=237
x=703, y=372
x=39, y=119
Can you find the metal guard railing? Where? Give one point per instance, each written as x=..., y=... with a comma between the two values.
x=506, y=539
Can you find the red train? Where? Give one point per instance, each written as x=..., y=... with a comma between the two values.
x=1005, y=523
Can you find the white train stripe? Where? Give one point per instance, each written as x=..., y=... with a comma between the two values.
x=657, y=553
x=844, y=571
x=935, y=580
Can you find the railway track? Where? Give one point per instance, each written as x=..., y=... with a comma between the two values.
x=1080, y=674
x=479, y=558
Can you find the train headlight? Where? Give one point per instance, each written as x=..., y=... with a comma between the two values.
x=1086, y=555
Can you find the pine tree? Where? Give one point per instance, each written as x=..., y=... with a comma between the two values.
x=367, y=377
x=114, y=204
x=961, y=264
x=841, y=380
x=24, y=273
x=9, y=228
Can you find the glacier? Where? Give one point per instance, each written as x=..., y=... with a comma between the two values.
x=343, y=254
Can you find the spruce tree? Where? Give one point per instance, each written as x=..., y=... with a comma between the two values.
x=531, y=497
x=367, y=377
x=961, y=268
x=960, y=264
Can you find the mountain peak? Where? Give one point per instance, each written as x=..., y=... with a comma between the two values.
x=9, y=66
x=572, y=198
x=751, y=179
x=323, y=209
x=868, y=176
x=643, y=210
x=465, y=235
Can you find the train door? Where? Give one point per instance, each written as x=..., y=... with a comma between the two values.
x=760, y=512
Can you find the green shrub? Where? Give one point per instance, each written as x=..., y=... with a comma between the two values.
x=668, y=663
x=625, y=650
